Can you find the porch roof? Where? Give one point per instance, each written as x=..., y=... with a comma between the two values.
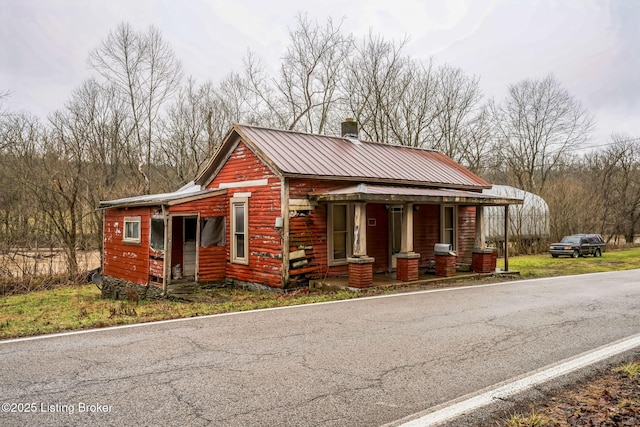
x=388, y=193
x=187, y=193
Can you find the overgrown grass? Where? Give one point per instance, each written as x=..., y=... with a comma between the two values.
x=544, y=265
x=81, y=307
x=631, y=370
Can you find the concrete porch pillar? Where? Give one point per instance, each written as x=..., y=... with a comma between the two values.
x=480, y=238
x=360, y=264
x=407, y=261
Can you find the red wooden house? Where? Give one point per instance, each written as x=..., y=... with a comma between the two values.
x=278, y=208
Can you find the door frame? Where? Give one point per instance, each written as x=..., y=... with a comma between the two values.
x=182, y=216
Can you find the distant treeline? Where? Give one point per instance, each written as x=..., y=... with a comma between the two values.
x=139, y=126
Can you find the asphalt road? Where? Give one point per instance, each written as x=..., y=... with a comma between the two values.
x=356, y=363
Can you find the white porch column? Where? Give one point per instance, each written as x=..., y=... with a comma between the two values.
x=360, y=230
x=406, y=241
x=480, y=238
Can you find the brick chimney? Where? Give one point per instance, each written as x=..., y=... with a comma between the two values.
x=350, y=128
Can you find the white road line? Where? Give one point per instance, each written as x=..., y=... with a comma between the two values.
x=504, y=391
x=290, y=307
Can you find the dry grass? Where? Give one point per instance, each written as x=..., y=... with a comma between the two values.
x=610, y=398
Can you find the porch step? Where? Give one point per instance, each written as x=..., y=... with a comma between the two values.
x=182, y=289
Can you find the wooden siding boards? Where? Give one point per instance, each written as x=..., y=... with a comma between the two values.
x=270, y=168
x=265, y=241
x=466, y=233
x=211, y=260
x=426, y=232
x=128, y=261
x=378, y=236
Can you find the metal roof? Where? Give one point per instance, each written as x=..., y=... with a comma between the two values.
x=187, y=192
x=328, y=157
x=387, y=193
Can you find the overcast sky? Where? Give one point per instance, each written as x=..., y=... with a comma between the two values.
x=592, y=46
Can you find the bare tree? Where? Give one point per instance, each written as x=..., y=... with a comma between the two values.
x=189, y=136
x=536, y=125
x=371, y=85
x=457, y=104
x=477, y=150
x=146, y=72
x=305, y=93
x=614, y=183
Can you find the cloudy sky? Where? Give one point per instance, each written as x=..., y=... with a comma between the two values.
x=592, y=46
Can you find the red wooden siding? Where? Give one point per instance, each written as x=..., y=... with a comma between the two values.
x=426, y=232
x=300, y=188
x=265, y=242
x=212, y=261
x=126, y=260
x=311, y=230
x=378, y=236
x=212, y=265
x=466, y=233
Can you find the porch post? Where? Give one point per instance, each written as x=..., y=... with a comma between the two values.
x=360, y=265
x=480, y=243
x=360, y=230
x=406, y=243
x=482, y=258
x=506, y=238
x=166, y=271
x=407, y=260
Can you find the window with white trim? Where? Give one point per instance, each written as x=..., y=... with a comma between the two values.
x=240, y=230
x=340, y=231
x=131, y=229
x=448, y=225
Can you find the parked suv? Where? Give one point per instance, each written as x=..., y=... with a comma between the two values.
x=578, y=245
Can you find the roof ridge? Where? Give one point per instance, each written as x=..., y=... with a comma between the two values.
x=364, y=141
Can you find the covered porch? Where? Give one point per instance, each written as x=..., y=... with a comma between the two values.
x=403, y=231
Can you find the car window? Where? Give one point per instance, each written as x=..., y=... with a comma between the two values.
x=570, y=239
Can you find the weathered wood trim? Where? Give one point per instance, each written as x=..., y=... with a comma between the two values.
x=248, y=183
x=360, y=230
x=454, y=243
x=241, y=195
x=385, y=181
x=392, y=198
x=480, y=238
x=167, y=251
x=301, y=204
x=285, y=207
x=246, y=231
x=188, y=199
x=166, y=267
x=406, y=245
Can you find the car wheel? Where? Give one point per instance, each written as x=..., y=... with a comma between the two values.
x=576, y=254
x=597, y=253
x=555, y=256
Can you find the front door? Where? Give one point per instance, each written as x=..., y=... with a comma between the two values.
x=190, y=233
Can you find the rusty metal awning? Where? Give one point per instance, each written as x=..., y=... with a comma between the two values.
x=185, y=194
x=404, y=194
